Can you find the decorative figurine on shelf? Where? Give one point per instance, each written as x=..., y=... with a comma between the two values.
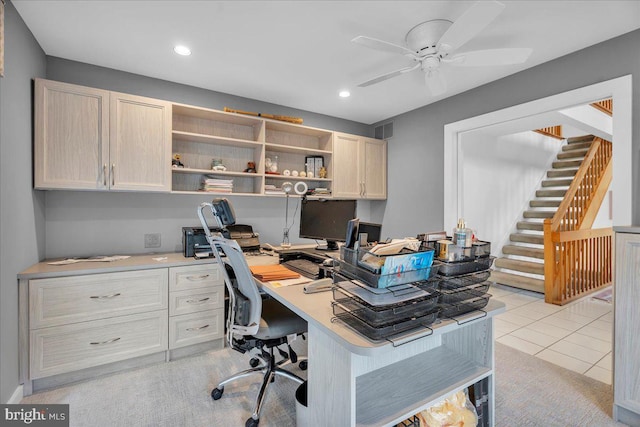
x=251, y=167
x=273, y=165
x=216, y=165
x=323, y=172
x=175, y=162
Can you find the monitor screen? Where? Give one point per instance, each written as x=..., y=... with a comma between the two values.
x=326, y=220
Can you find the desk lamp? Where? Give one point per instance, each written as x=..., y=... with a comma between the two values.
x=287, y=187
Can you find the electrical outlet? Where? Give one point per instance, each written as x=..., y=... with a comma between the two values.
x=152, y=240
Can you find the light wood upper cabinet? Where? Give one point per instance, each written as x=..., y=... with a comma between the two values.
x=71, y=136
x=93, y=139
x=140, y=143
x=360, y=167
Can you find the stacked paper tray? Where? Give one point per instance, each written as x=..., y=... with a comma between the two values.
x=380, y=315
x=455, y=295
x=380, y=296
x=380, y=332
x=377, y=280
x=456, y=268
x=466, y=306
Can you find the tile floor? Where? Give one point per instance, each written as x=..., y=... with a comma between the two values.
x=576, y=336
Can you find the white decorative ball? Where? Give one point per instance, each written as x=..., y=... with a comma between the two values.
x=309, y=174
x=294, y=173
x=286, y=172
x=303, y=174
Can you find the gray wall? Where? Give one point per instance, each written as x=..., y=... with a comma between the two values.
x=22, y=209
x=92, y=223
x=416, y=149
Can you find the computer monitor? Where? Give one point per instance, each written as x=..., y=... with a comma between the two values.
x=326, y=220
x=373, y=231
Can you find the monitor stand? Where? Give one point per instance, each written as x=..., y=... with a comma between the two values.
x=331, y=245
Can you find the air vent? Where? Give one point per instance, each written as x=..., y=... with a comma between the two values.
x=384, y=131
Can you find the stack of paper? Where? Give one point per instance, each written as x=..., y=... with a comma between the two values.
x=272, y=189
x=267, y=273
x=215, y=185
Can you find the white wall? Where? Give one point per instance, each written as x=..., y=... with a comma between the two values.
x=499, y=177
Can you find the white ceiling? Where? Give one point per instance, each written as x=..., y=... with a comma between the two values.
x=299, y=53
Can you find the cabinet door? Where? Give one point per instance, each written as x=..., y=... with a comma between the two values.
x=347, y=166
x=375, y=168
x=71, y=147
x=627, y=322
x=140, y=143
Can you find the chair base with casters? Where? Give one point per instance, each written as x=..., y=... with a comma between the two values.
x=253, y=323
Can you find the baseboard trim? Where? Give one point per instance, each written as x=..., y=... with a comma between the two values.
x=17, y=396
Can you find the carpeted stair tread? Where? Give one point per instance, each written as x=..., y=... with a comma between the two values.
x=572, y=154
x=544, y=203
x=565, y=164
x=550, y=193
x=538, y=214
x=527, y=251
x=576, y=146
x=527, y=238
x=557, y=182
x=520, y=265
x=529, y=225
x=517, y=281
x=561, y=173
x=578, y=139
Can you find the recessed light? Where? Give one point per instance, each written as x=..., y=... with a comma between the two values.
x=344, y=94
x=182, y=50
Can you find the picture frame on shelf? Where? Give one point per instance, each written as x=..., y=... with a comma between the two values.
x=313, y=164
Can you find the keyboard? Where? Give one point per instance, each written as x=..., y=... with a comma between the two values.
x=305, y=267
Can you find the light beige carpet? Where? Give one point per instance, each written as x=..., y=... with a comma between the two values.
x=529, y=392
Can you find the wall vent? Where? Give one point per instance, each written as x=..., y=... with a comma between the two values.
x=384, y=131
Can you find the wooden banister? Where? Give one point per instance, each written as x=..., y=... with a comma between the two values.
x=577, y=259
x=552, y=131
x=606, y=106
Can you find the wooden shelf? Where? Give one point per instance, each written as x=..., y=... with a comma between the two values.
x=212, y=172
x=211, y=139
x=296, y=178
x=297, y=150
x=208, y=114
x=210, y=193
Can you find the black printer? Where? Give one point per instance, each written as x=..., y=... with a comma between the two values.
x=194, y=240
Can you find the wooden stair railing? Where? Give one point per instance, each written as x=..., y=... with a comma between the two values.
x=577, y=259
x=606, y=106
x=552, y=131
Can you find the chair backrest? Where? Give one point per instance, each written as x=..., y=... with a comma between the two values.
x=245, y=305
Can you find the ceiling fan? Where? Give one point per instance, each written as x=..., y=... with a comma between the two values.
x=431, y=44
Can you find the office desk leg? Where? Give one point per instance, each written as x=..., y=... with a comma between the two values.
x=331, y=384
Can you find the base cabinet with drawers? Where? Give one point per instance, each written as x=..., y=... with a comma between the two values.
x=77, y=326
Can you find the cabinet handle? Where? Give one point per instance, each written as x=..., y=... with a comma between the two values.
x=113, y=175
x=104, y=174
x=364, y=189
x=105, y=342
x=198, y=301
x=195, y=278
x=105, y=296
x=198, y=328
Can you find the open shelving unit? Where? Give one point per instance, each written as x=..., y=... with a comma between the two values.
x=201, y=135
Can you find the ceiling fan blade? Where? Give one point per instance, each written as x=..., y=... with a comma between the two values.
x=388, y=76
x=490, y=57
x=435, y=82
x=469, y=24
x=382, y=45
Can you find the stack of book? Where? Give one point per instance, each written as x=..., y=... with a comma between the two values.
x=215, y=185
x=318, y=191
x=272, y=189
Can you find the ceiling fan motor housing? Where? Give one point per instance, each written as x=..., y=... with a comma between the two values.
x=423, y=38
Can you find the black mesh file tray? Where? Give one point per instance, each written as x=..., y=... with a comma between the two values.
x=462, y=307
x=452, y=282
x=353, y=320
x=456, y=268
x=380, y=315
x=375, y=280
x=456, y=294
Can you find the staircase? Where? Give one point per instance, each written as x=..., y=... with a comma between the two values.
x=522, y=263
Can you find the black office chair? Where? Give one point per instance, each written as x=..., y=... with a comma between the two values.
x=253, y=323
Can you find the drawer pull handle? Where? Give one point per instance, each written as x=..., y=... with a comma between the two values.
x=105, y=342
x=194, y=278
x=197, y=301
x=105, y=296
x=197, y=329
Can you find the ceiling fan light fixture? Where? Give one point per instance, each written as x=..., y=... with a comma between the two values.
x=182, y=50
